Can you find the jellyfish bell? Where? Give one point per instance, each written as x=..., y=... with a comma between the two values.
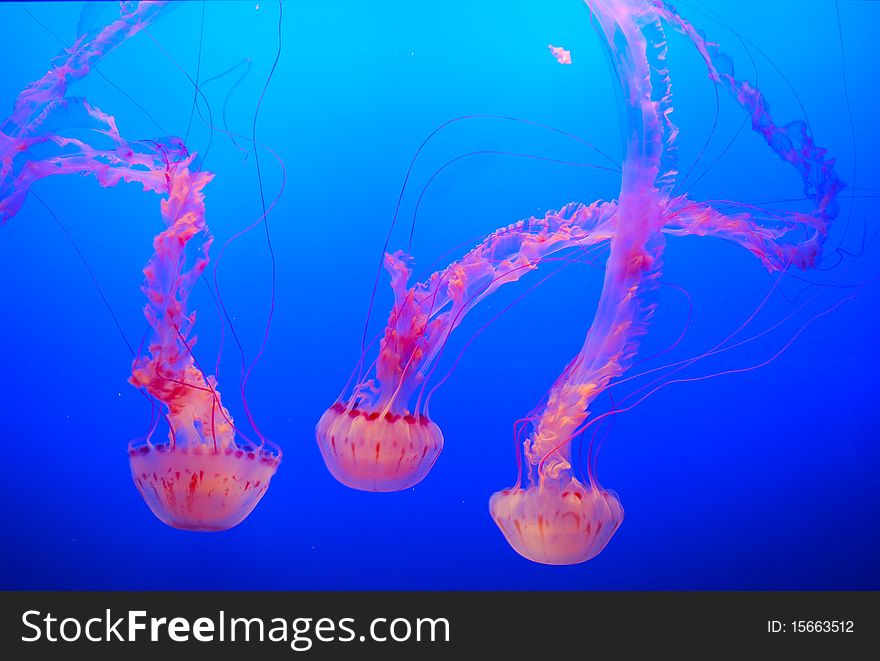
x=197, y=488
x=557, y=525
x=205, y=477
x=374, y=450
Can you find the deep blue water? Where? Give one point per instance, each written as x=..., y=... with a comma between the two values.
x=761, y=479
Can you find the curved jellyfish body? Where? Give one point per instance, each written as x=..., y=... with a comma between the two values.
x=544, y=526
x=545, y=522
x=203, y=478
x=374, y=441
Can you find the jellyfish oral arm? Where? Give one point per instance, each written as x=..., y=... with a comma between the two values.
x=634, y=262
x=766, y=241
x=76, y=63
x=424, y=316
x=131, y=163
x=793, y=142
x=170, y=373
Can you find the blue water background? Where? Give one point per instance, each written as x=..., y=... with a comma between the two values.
x=763, y=479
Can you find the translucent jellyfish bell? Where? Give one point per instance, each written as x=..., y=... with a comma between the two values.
x=557, y=525
x=198, y=488
x=373, y=452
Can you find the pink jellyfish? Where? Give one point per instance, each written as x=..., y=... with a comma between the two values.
x=557, y=519
x=380, y=438
x=203, y=477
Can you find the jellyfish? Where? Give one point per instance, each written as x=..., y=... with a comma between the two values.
x=203, y=477
x=557, y=519
x=380, y=438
